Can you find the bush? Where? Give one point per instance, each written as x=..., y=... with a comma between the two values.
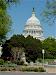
x=33, y=69
x=13, y=69
x=40, y=60
x=4, y=69
x=9, y=64
x=20, y=63
x=1, y=61
x=41, y=69
x=7, y=69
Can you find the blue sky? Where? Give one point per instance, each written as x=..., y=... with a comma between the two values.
x=21, y=12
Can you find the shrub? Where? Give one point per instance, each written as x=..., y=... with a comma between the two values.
x=40, y=60
x=41, y=69
x=33, y=69
x=13, y=69
x=20, y=63
x=4, y=69
x=9, y=69
x=1, y=61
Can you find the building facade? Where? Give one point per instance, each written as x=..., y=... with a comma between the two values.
x=33, y=27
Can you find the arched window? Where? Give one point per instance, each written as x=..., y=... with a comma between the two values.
x=34, y=31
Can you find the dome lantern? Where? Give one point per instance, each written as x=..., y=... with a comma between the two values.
x=33, y=12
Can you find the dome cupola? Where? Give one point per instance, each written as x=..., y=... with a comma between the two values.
x=33, y=27
x=33, y=19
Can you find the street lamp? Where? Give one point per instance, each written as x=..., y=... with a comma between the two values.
x=43, y=56
x=0, y=51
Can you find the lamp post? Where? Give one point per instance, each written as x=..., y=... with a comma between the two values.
x=43, y=56
x=0, y=51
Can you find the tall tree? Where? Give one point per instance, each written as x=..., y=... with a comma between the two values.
x=5, y=20
x=18, y=43
x=50, y=11
x=49, y=46
x=12, y=46
x=33, y=49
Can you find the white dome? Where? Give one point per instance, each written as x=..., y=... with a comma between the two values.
x=33, y=21
x=33, y=27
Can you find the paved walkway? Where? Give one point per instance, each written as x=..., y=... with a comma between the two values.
x=51, y=69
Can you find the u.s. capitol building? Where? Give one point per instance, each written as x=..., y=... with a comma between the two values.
x=33, y=27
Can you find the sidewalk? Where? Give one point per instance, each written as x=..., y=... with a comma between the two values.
x=50, y=70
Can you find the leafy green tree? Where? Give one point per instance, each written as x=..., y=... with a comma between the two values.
x=50, y=11
x=18, y=43
x=5, y=20
x=49, y=46
x=17, y=40
x=33, y=48
x=6, y=51
x=12, y=46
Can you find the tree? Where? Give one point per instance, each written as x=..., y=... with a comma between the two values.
x=6, y=51
x=17, y=40
x=5, y=25
x=50, y=11
x=18, y=44
x=5, y=19
x=33, y=48
x=12, y=46
x=49, y=46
